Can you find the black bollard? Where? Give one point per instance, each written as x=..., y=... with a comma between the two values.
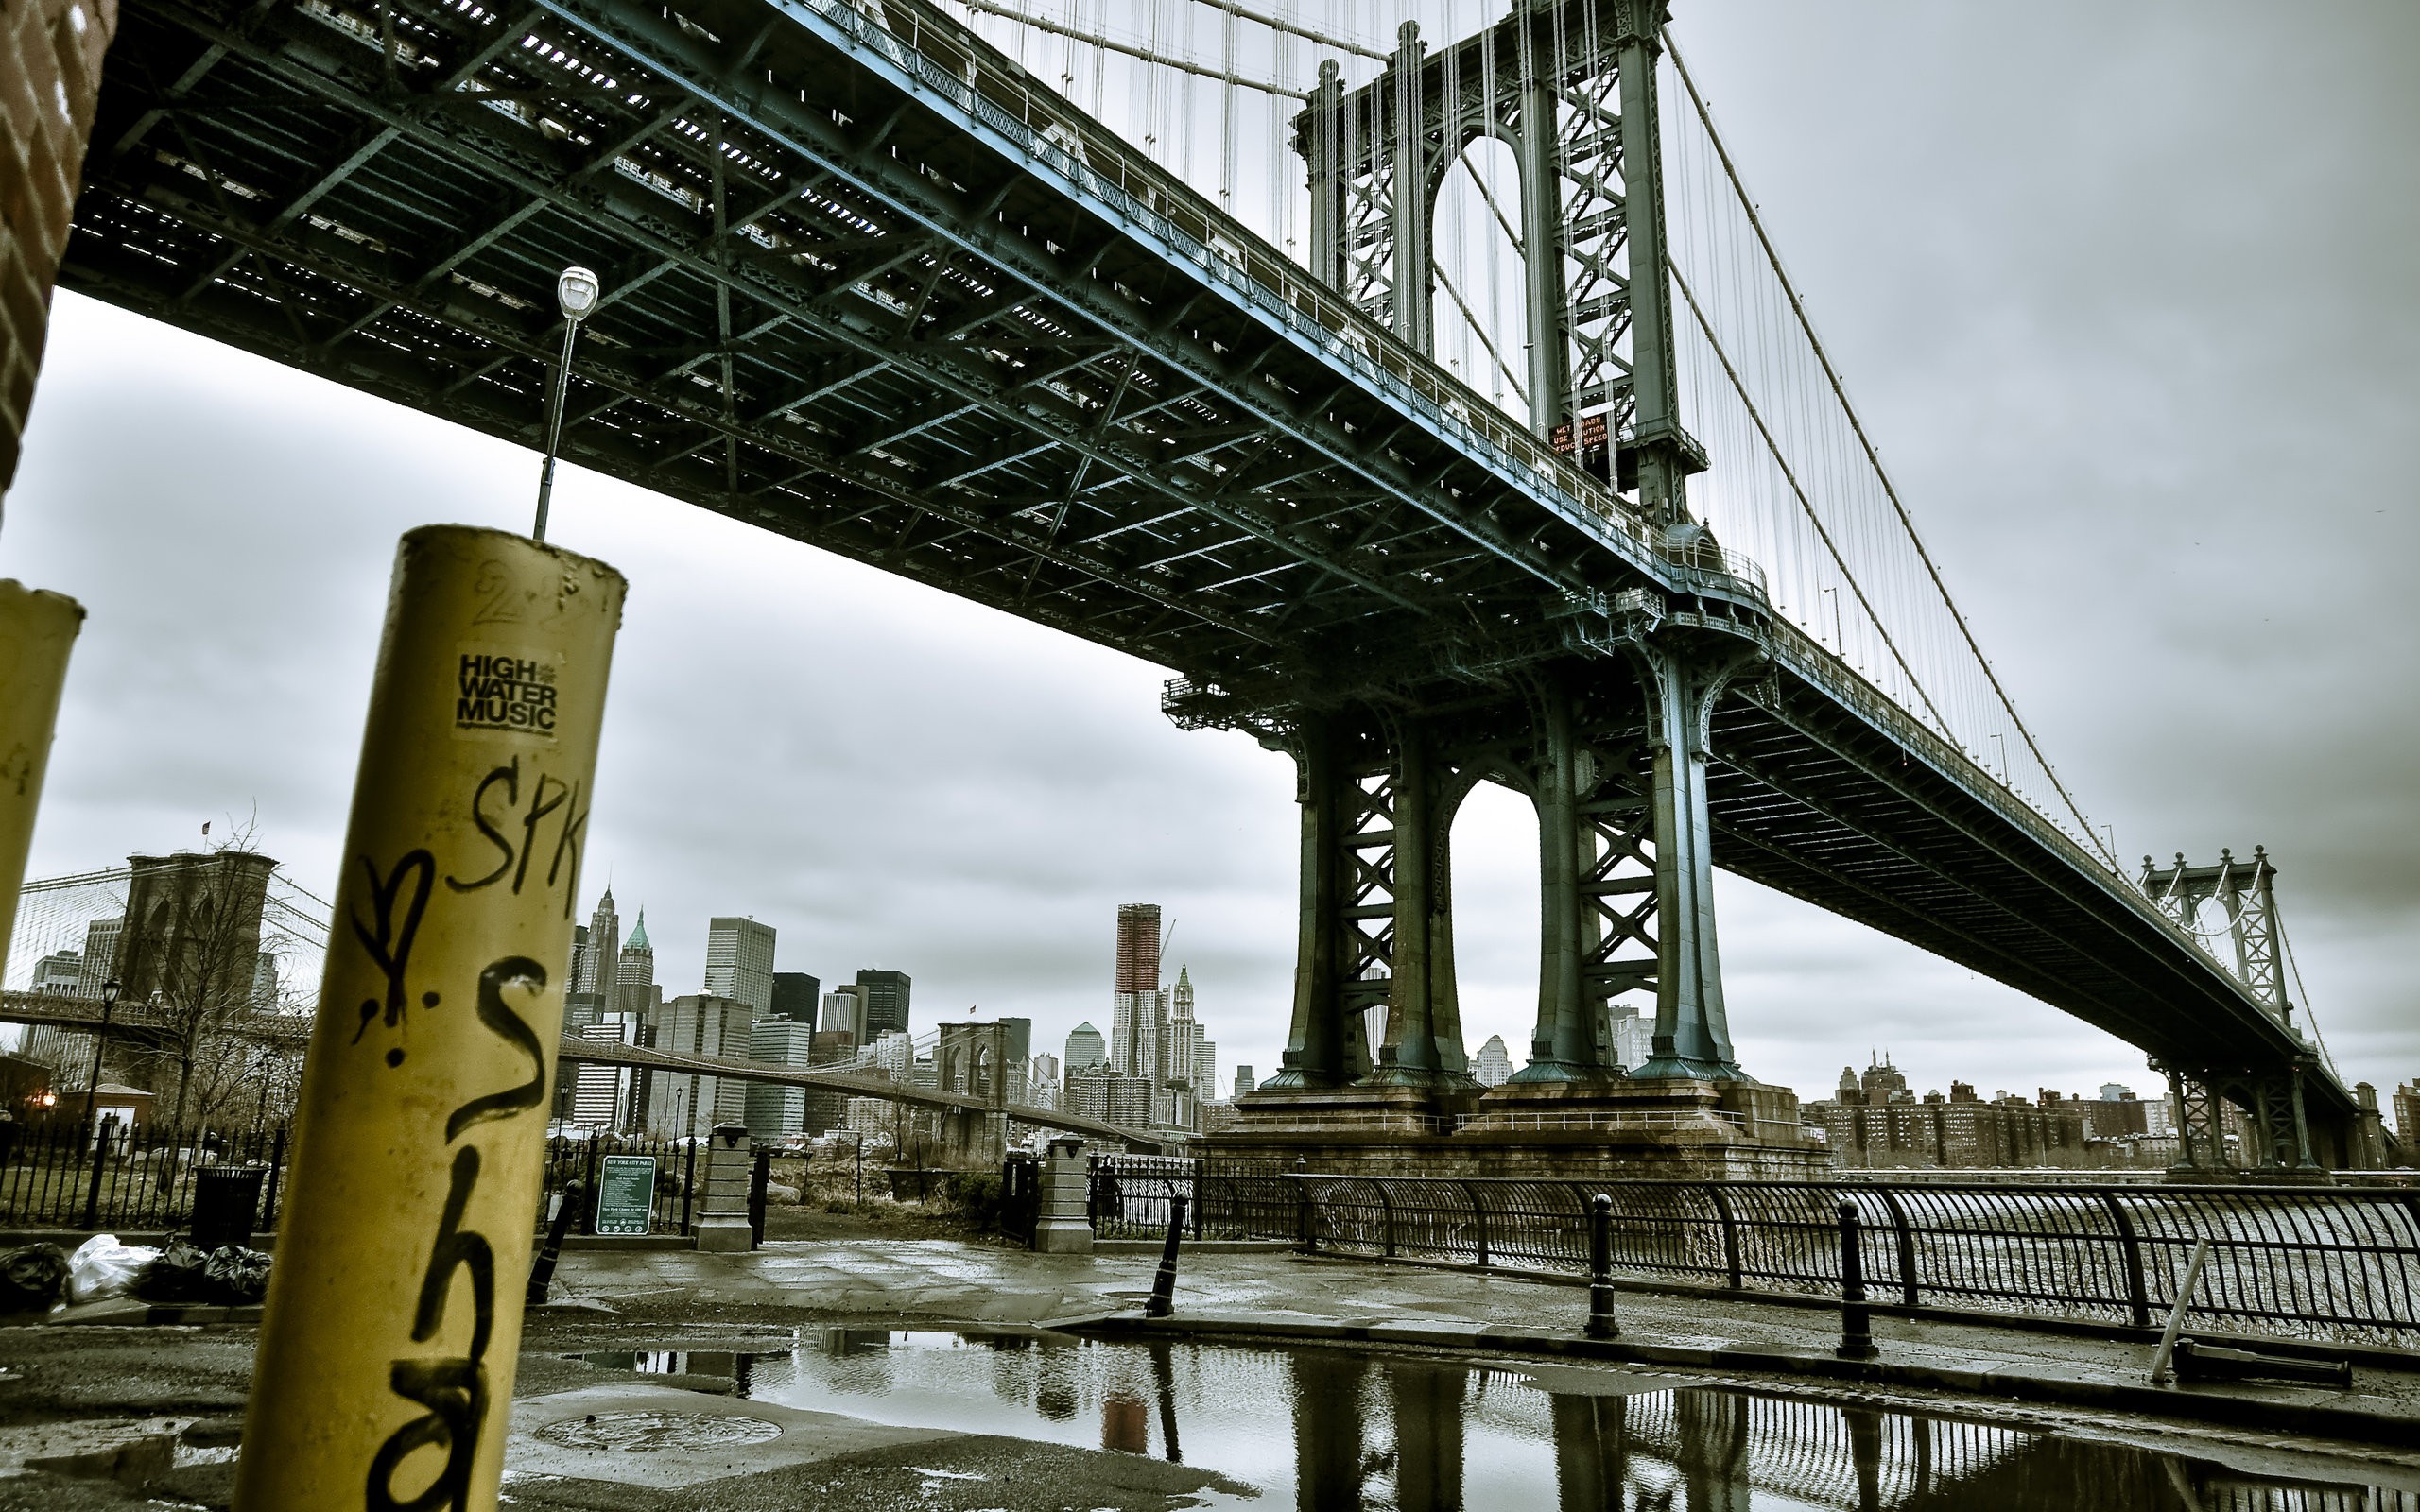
x=541, y=1270
x=758, y=1178
x=1163, y=1301
x=1600, y=1269
x=1856, y=1321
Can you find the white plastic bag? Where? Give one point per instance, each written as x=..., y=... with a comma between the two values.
x=101, y=1267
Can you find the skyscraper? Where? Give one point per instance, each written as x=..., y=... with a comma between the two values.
x=690, y=1104
x=600, y=964
x=1139, y=1010
x=739, y=962
x=776, y=1112
x=1182, y=1037
x=102, y=937
x=886, y=1000
x=634, y=988
x=844, y=1012
x=794, y=997
x=1138, y=947
x=1493, y=1065
x=1086, y=1049
x=1042, y=1081
x=62, y=972
x=578, y=965
x=1244, y=1084
x=1016, y=1052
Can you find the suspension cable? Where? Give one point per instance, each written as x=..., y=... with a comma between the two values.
x=1821, y=532
x=1295, y=29
x=1060, y=28
x=1477, y=330
x=1906, y=521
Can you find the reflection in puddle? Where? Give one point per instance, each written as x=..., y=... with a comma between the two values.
x=1341, y=1431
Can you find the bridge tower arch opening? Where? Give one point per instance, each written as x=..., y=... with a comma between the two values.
x=1494, y=866
x=1568, y=88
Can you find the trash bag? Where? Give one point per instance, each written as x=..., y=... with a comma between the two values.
x=175, y=1275
x=101, y=1267
x=32, y=1278
x=237, y=1277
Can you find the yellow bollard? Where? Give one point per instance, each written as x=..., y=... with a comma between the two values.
x=36, y=630
x=385, y=1369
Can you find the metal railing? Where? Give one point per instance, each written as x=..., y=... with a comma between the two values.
x=2337, y=1264
x=1129, y=1196
x=2331, y=1263
x=59, y=1174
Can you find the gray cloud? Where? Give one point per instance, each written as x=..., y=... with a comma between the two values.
x=2124, y=295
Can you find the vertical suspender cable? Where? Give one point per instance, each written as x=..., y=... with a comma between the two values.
x=1907, y=523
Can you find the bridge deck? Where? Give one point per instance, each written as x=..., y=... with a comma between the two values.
x=886, y=295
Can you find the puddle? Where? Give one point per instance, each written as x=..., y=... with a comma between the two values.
x=1364, y=1431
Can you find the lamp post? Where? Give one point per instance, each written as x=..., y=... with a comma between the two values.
x=92, y=1091
x=267, y=1064
x=576, y=295
x=93, y=1083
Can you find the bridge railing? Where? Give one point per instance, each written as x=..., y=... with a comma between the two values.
x=948, y=59
x=2332, y=1263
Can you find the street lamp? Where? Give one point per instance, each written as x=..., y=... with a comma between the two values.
x=576, y=296
x=93, y=1083
x=91, y=1091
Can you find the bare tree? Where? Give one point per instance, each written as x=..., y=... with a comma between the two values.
x=192, y=952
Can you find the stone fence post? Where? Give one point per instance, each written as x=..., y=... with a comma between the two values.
x=1065, y=1225
x=724, y=1225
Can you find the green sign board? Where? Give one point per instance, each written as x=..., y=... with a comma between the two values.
x=625, y=1193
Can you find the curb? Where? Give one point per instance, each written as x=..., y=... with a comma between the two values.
x=2004, y=1382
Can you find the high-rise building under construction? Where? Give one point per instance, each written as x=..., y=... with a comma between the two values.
x=1138, y=1014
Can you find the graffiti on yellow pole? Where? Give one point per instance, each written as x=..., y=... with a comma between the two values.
x=36, y=630
x=395, y=1309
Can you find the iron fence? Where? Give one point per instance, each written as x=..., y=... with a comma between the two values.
x=2334, y=1264
x=678, y=1166
x=65, y=1173
x=1129, y=1197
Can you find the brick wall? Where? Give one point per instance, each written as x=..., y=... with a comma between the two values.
x=50, y=72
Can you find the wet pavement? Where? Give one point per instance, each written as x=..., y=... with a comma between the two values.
x=792, y=1376
x=953, y=1279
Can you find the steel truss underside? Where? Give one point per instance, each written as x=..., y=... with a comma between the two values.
x=834, y=314
x=845, y=321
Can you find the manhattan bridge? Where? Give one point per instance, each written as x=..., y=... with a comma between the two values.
x=1426, y=394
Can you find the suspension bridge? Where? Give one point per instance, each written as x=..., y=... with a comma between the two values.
x=1431, y=402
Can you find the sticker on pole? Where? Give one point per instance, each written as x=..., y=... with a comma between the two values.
x=626, y=1193
x=500, y=691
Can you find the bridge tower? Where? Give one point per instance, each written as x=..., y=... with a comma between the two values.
x=1609, y=738
x=2271, y=1097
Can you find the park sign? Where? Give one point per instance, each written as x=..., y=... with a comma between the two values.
x=626, y=1193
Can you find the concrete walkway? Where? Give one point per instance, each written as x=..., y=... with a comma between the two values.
x=1287, y=1295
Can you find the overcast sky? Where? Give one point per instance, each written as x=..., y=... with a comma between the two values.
x=2124, y=292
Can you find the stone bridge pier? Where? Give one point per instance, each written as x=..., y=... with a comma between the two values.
x=971, y=1059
